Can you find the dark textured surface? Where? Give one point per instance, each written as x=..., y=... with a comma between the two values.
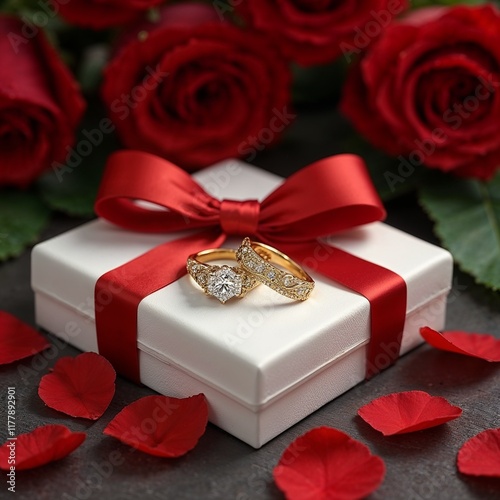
x=419, y=465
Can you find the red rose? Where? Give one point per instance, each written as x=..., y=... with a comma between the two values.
x=40, y=104
x=317, y=31
x=428, y=89
x=99, y=14
x=196, y=90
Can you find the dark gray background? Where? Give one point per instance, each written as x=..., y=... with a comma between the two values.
x=419, y=465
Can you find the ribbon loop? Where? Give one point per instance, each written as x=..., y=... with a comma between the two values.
x=239, y=217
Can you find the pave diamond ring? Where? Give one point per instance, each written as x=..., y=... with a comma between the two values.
x=222, y=282
x=274, y=269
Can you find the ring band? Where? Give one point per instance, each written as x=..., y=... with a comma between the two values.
x=258, y=259
x=222, y=282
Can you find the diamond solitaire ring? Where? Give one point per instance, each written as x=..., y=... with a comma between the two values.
x=222, y=282
x=274, y=269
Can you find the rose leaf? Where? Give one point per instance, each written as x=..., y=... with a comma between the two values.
x=22, y=217
x=466, y=213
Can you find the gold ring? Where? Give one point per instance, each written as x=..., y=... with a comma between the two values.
x=258, y=259
x=222, y=282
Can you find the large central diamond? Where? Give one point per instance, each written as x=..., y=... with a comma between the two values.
x=224, y=283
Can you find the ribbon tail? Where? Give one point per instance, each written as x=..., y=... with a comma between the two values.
x=117, y=295
x=384, y=289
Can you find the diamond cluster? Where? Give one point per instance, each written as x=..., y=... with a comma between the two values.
x=222, y=282
x=279, y=280
x=199, y=272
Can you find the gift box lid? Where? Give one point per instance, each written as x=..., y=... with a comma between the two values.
x=253, y=349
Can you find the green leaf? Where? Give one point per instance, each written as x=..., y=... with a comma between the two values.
x=467, y=217
x=71, y=188
x=22, y=217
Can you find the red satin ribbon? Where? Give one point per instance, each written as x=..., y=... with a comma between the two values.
x=324, y=198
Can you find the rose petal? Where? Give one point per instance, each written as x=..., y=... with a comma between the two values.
x=18, y=340
x=480, y=455
x=326, y=463
x=478, y=345
x=161, y=425
x=45, y=444
x=80, y=387
x=410, y=411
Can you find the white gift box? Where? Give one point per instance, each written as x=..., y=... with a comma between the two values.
x=263, y=362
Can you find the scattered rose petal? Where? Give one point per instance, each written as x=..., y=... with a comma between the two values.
x=45, y=444
x=325, y=463
x=480, y=455
x=80, y=387
x=160, y=425
x=18, y=340
x=410, y=411
x=478, y=345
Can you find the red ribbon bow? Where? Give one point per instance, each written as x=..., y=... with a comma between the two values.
x=326, y=197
